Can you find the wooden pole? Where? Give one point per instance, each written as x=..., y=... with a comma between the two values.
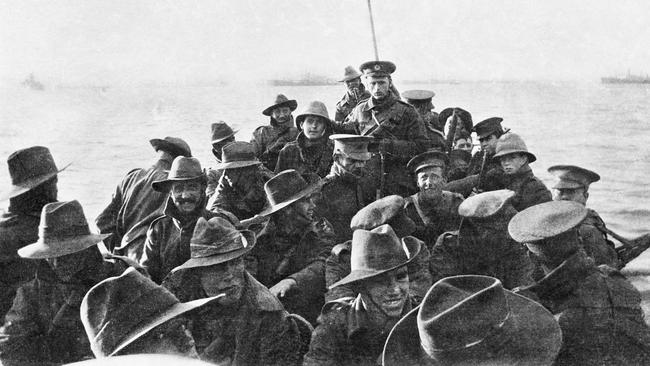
x=372, y=28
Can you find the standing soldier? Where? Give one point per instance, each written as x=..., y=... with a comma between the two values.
x=573, y=185
x=33, y=185
x=421, y=101
x=398, y=129
x=222, y=135
x=270, y=139
x=355, y=93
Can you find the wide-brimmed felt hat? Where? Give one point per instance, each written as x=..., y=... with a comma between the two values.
x=352, y=146
x=216, y=241
x=314, y=108
x=378, y=251
x=546, y=220
x=511, y=143
x=387, y=210
x=485, y=204
x=473, y=320
x=28, y=169
x=237, y=154
x=142, y=360
x=63, y=230
x=281, y=101
x=571, y=177
x=183, y=168
x=285, y=188
x=119, y=310
x=377, y=68
x=173, y=145
x=350, y=73
x=488, y=126
x=221, y=131
x=418, y=95
x=464, y=116
x=428, y=159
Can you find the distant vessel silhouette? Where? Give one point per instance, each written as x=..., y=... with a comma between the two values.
x=628, y=79
x=32, y=83
x=307, y=79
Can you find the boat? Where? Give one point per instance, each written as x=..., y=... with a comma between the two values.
x=32, y=83
x=305, y=80
x=627, y=79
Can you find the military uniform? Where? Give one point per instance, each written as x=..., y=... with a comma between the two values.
x=269, y=140
x=347, y=104
x=433, y=218
x=529, y=189
x=243, y=205
x=594, y=240
x=306, y=157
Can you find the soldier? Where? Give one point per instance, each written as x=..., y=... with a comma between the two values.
x=130, y=314
x=488, y=132
x=473, y=320
x=270, y=139
x=33, y=185
x=241, y=186
x=222, y=135
x=397, y=127
x=292, y=248
x=433, y=209
x=482, y=245
x=458, y=164
x=135, y=204
x=247, y=326
x=464, y=124
x=354, y=94
x=572, y=185
x=421, y=101
x=352, y=331
x=43, y=325
x=388, y=210
x=598, y=310
x=168, y=237
x=343, y=194
x=311, y=152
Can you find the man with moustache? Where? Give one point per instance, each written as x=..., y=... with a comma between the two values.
x=168, y=239
x=398, y=129
x=354, y=94
x=247, y=325
x=270, y=139
x=352, y=331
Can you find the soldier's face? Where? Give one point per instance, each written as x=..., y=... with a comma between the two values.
x=353, y=85
x=464, y=144
x=511, y=163
x=67, y=266
x=187, y=195
x=313, y=127
x=354, y=166
x=302, y=211
x=224, y=278
x=488, y=143
x=431, y=178
x=388, y=291
x=281, y=114
x=579, y=195
x=378, y=86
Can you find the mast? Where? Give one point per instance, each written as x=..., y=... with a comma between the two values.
x=372, y=28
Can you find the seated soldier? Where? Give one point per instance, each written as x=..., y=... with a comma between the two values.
x=388, y=210
x=222, y=135
x=130, y=314
x=421, y=101
x=352, y=331
x=433, y=210
x=247, y=326
x=473, y=320
x=293, y=246
x=597, y=308
x=482, y=245
x=311, y=152
x=43, y=324
x=269, y=139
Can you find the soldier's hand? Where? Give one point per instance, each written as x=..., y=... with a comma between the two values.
x=282, y=288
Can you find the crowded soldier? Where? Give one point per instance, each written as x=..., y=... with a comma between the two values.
x=488, y=132
x=421, y=101
x=459, y=161
x=135, y=204
x=463, y=127
x=246, y=324
x=355, y=93
x=311, y=152
x=268, y=140
x=221, y=135
x=33, y=185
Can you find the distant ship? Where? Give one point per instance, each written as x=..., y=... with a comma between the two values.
x=628, y=79
x=32, y=83
x=305, y=80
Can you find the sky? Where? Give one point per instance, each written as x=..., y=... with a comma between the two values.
x=163, y=41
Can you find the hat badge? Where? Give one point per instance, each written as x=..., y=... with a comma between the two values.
x=377, y=67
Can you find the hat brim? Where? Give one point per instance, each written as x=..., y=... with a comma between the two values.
x=412, y=244
x=160, y=144
x=224, y=137
x=536, y=341
x=247, y=236
x=236, y=164
x=41, y=250
x=169, y=314
x=292, y=104
x=531, y=156
x=28, y=185
x=311, y=189
x=163, y=185
x=563, y=184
